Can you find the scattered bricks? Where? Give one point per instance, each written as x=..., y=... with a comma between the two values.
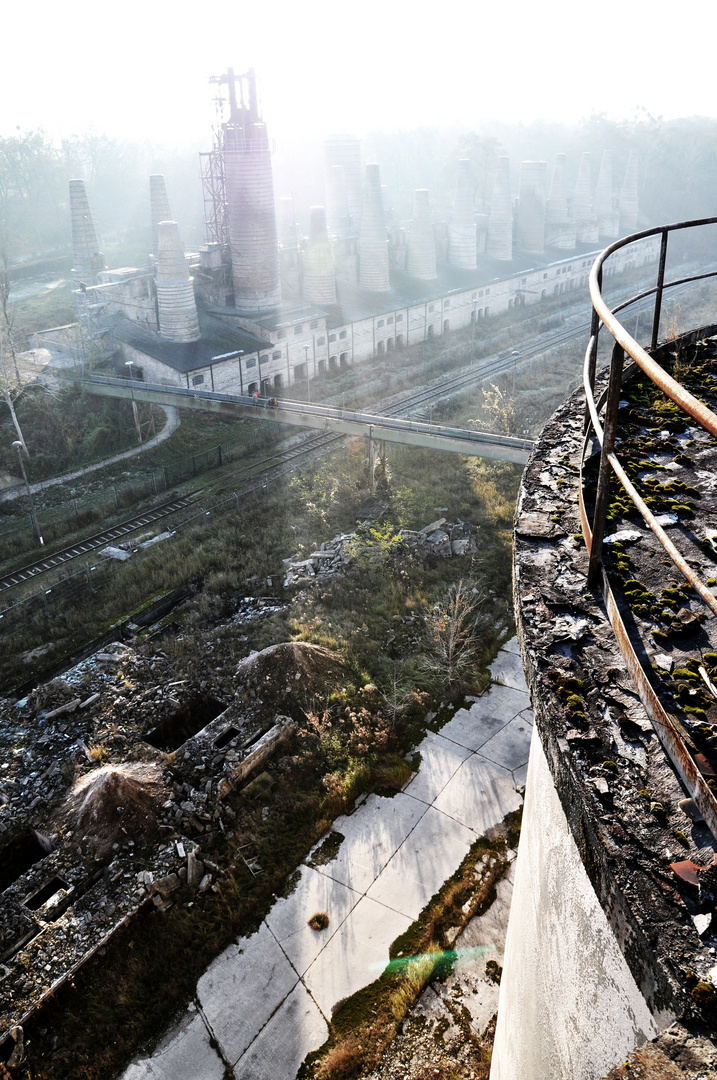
x=166, y=885
x=68, y=708
x=195, y=869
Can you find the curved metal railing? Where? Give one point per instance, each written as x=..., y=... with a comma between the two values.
x=673, y=737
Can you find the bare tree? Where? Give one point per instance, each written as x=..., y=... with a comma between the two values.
x=7, y=348
x=453, y=633
x=500, y=407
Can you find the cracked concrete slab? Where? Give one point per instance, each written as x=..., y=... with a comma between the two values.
x=439, y=760
x=479, y=795
x=288, y=919
x=473, y=727
x=241, y=990
x=357, y=955
x=503, y=702
x=372, y=834
x=185, y=1052
x=295, y=1029
x=507, y=670
x=429, y=856
x=511, y=746
x=520, y=776
x=266, y=999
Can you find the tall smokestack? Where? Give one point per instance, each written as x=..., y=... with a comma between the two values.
x=421, y=253
x=175, y=294
x=250, y=202
x=628, y=197
x=158, y=206
x=462, y=226
x=318, y=261
x=559, y=232
x=337, y=205
x=345, y=150
x=531, y=206
x=288, y=232
x=499, y=244
x=87, y=258
x=373, y=239
x=608, y=220
x=586, y=223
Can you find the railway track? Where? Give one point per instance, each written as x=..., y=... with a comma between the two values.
x=279, y=464
x=91, y=543
x=274, y=466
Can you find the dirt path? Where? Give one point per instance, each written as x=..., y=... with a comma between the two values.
x=173, y=422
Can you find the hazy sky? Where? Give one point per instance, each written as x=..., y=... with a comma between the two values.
x=140, y=68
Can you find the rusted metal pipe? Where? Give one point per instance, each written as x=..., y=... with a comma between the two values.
x=660, y=287
x=602, y=495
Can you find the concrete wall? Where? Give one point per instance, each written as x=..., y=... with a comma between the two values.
x=569, y=1008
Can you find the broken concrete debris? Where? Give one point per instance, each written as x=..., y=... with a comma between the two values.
x=97, y=821
x=439, y=539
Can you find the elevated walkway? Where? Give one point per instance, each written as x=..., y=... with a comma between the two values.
x=321, y=417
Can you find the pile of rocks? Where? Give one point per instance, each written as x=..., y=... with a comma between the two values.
x=439, y=539
x=97, y=822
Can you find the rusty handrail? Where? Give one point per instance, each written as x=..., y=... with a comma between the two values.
x=669, y=731
x=625, y=343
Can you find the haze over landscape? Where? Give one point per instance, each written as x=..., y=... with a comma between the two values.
x=140, y=70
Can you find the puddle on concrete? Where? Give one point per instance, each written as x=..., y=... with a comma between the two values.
x=181, y=725
x=20, y=854
x=327, y=850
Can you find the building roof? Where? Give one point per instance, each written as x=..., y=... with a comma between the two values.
x=217, y=338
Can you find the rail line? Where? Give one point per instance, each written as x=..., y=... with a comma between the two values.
x=276, y=465
x=91, y=543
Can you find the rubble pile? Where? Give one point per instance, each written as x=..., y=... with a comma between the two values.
x=440, y=539
x=114, y=802
x=96, y=821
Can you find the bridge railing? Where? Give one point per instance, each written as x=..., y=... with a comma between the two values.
x=602, y=423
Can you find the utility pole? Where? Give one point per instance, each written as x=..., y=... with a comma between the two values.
x=33, y=516
x=308, y=388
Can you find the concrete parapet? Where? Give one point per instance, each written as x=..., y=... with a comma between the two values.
x=599, y=940
x=421, y=255
x=177, y=307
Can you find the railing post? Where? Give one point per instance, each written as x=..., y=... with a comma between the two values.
x=594, y=333
x=602, y=494
x=658, y=294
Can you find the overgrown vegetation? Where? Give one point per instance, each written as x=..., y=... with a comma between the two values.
x=362, y=1026
x=64, y=430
